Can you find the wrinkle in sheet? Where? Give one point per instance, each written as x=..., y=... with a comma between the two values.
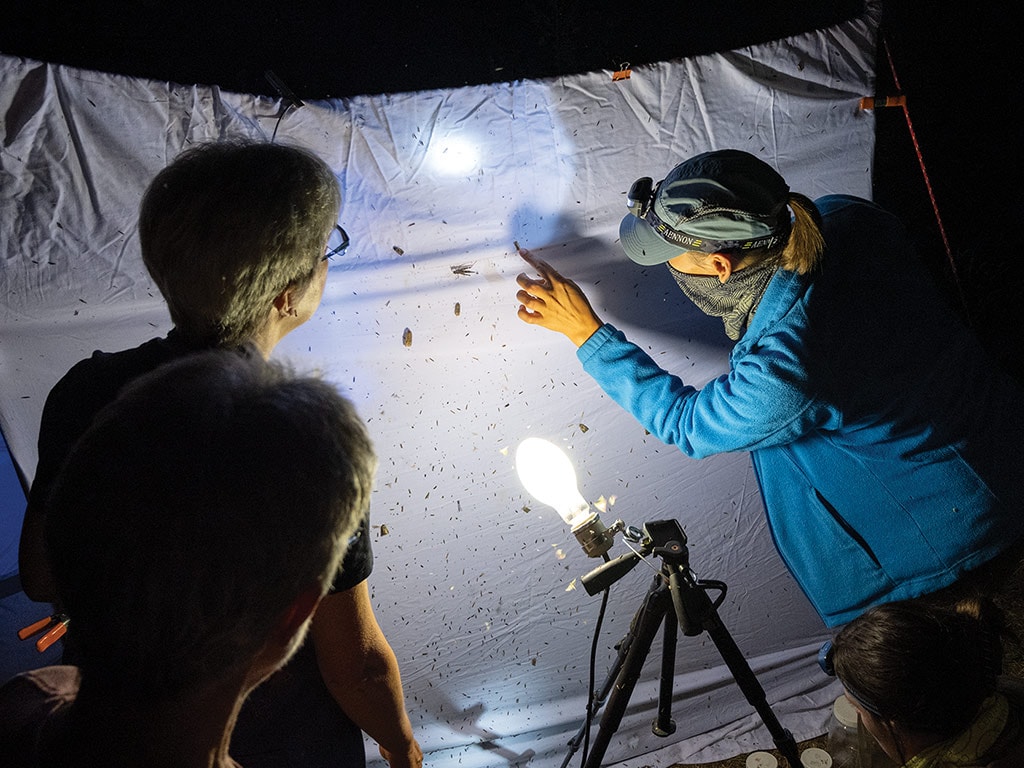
x=695, y=78
x=26, y=107
x=84, y=175
x=779, y=82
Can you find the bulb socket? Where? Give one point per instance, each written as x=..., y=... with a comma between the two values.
x=593, y=536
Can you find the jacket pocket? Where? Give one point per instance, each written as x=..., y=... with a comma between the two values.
x=849, y=529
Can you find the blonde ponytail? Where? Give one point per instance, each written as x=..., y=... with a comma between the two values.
x=803, y=250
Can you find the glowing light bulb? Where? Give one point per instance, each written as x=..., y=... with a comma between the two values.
x=453, y=156
x=547, y=474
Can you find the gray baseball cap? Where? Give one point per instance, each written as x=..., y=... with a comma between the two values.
x=720, y=201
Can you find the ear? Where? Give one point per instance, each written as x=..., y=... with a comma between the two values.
x=724, y=265
x=298, y=612
x=284, y=638
x=284, y=302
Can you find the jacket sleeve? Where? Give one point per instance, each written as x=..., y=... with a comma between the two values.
x=762, y=401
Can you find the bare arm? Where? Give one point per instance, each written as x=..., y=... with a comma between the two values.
x=361, y=672
x=555, y=302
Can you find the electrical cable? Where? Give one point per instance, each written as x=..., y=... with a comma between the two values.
x=593, y=675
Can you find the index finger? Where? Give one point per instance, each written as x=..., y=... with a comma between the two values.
x=545, y=269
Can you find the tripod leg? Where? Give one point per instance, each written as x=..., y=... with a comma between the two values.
x=648, y=620
x=686, y=592
x=600, y=696
x=664, y=725
x=624, y=647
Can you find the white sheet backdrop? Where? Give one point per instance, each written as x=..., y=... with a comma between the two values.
x=474, y=582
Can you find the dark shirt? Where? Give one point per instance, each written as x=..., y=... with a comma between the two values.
x=291, y=718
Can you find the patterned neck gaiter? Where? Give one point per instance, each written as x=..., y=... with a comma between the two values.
x=969, y=747
x=735, y=300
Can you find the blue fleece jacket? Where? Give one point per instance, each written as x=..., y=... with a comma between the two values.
x=886, y=444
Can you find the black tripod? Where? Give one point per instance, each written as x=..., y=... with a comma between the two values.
x=694, y=612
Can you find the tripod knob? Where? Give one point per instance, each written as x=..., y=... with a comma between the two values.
x=673, y=552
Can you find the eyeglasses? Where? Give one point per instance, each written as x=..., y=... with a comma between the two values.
x=337, y=243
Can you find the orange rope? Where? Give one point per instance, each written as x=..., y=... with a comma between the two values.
x=924, y=172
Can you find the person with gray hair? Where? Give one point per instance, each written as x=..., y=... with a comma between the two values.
x=192, y=532
x=238, y=234
x=233, y=234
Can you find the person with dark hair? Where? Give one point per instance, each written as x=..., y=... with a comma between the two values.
x=192, y=532
x=881, y=434
x=237, y=235
x=925, y=680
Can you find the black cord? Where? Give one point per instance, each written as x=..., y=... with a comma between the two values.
x=280, y=116
x=593, y=666
x=288, y=99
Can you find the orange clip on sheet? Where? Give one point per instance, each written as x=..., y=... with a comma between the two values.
x=876, y=102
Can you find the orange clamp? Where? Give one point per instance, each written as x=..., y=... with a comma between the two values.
x=877, y=102
x=54, y=627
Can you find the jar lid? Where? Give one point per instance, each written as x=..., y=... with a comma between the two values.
x=844, y=711
x=812, y=757
x=762, y=760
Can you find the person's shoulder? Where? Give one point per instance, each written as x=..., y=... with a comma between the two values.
x=869, y=224
x=837, y=203
x=58, y=680
x=102, y=366
x=142, y=358
x=357, y=564
x=30, y=699
x=90, y=384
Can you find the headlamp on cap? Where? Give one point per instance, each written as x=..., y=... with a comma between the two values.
x=641, y=196
x=774, y=228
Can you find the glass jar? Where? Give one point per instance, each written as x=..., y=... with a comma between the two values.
x=844, y=739
x=849, y=742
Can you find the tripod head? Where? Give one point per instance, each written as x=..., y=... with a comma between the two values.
x=664, y=538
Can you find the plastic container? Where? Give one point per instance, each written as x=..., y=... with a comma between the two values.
x=844, y=737
x=849, y=743
x=812, y=757
x=762, y=760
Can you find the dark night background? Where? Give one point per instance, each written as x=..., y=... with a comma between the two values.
x=951, y=61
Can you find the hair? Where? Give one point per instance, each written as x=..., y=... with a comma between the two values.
x=195, y=510
x=802, y=250
x=919, y=666
x=230, y=224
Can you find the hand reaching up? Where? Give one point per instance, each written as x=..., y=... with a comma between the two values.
x=554, y=302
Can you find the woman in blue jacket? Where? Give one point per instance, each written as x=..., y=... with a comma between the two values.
x=886, y=444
